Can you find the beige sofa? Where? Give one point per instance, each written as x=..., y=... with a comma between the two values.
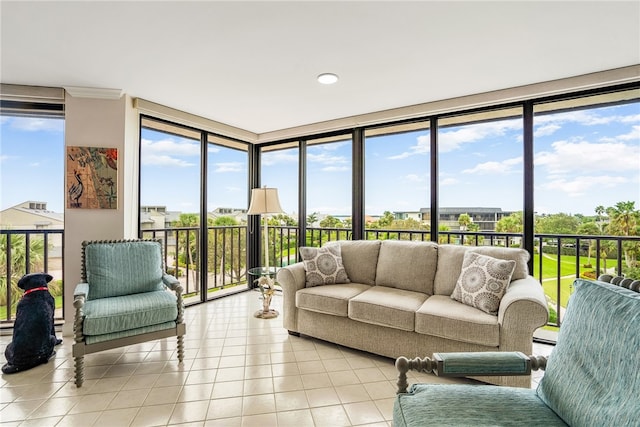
x=398, y=303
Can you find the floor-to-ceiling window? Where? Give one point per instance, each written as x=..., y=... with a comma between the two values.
x=587, y=184
x=329, y=189
x=32, y=196
x=227, y=182
x=170, y=188
x=279, y=169
x=397, y=181
x=480, y=180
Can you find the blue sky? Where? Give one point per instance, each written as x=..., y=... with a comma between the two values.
x=583, y=159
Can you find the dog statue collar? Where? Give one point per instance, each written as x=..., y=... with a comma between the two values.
x=41, y=288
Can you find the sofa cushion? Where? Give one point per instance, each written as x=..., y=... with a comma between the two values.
x=407, y=265
x=139, y=268
x=443, y=317
x=329, y=299
x=450, y=258
x=483, y=281
x=360, y=260
x=592, y=377
x=115, y=314
x=323, y=266
x=386, y=306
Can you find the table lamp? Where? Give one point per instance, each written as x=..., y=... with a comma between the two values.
x=264, y=201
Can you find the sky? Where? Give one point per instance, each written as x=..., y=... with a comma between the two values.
x=583, y=159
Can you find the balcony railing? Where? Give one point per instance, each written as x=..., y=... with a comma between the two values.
x=29, y=251
x=558, y=259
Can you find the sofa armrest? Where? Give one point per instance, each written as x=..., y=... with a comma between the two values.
x=291, y=279
x=523, y=309
x=470, y=364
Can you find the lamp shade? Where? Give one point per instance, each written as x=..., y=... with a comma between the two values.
x=264, y=201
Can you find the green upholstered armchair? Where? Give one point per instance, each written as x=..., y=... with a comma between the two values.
x=125, y=298
x=591, y=377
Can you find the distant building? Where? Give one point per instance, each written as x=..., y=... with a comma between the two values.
x=240, y=215
x=486, y=218
x=155, y=217
x=402, y=215
x=34, y=215
x=31, y=215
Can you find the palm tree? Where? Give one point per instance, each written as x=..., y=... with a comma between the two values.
x=625, y=221
x=600, y=211
x=18, y=263
x=187, y=252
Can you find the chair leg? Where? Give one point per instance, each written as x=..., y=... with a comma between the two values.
x=180, y=348
x=79, y=364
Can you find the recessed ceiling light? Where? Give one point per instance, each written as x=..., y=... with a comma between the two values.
x=328, y=78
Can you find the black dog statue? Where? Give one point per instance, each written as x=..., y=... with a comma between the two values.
x=34, y=335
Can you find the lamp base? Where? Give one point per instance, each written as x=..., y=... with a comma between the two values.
x=271, y=314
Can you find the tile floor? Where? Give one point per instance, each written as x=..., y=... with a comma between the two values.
x=238, y=371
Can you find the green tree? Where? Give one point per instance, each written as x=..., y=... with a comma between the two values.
x=18, y=263
x=187, y=239
x=589, y=229
x=600, y=216
x=510, y=224
x=386, y=220
x=625, y=221
x=559, y=223
x=312, y=219
x=464, y=220
x=330, y=222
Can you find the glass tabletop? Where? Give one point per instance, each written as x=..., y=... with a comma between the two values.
x=263, y=271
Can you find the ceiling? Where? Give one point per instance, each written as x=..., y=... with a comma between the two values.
x=253, y=65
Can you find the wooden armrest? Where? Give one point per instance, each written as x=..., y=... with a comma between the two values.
x=502, y=363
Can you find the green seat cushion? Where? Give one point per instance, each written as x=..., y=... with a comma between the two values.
x=93, y=339
x=471, y=405
x=108, y=315
x=123, y=268
x=592, y=375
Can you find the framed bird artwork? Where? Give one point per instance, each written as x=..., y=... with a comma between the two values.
x=92, y=178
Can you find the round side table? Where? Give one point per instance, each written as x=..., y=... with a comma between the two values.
x=258, y=272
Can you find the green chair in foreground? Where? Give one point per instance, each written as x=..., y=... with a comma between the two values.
x=592, y=377
x=125, y=298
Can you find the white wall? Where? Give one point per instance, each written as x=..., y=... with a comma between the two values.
x=91, y=122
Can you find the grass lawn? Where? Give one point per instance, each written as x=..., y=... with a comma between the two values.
x=567, y=274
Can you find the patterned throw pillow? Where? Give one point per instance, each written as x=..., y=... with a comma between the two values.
x=323, y=265
x=483, y=281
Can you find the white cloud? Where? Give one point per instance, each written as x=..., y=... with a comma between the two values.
x=34, y=124
x=412, y=177
x=182, y=147
x=452, y=140
x=448, y=181
x=546, y=130
x=228, y=167
x=167, y=152
x=164, y=160
x=277, y=157
x=569, y=156
x=503, y=167
x=581, y=185
x=4, y=158
x=633, y=135
x=326, y=158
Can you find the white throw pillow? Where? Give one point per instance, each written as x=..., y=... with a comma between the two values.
x=323, y=266
x=483, y=281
